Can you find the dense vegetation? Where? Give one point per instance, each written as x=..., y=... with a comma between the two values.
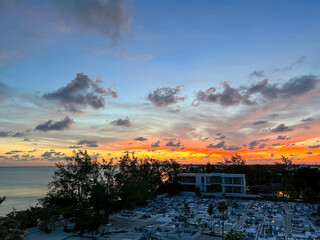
x=84, y=192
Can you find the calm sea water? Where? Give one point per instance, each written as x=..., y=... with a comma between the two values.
x=23, y=186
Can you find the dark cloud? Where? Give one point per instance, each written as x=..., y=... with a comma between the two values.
x=229, y=97
x=281, y=128
x=259, y=122
x=13, y=152
x=141, y=139
x=294, y=87
x=122, y=122
x=10, y=134
x=264, y=88
x=56, y=126
x=220, y=137
x=156, y=144
x=310, y=119
x=19, y=134
x=75, y=146
x=108, y=18
x=263, y=145
x=253, y=144
x=182, y=148
x=81, y=92
x=88, y=143
x=165, y=96
x=309, y=153
x=258, y=73
x=5, y=134
x=283, y=137
x=231, y=148
x=314, y=146
x=172, y=144
x=276, y=144
x=218, y=145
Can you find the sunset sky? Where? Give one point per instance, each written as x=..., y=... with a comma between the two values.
x=196, y=81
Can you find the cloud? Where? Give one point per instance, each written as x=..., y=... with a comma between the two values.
x=10, y=134
x=52, y=155
x=218, y=145
x=107, y=18
x=281, y=128
x=13, y=152
x=122, y=122
x=253, y=144
x=231, y=148
x=258, y=74
x=297, y=63
x=276, y=144
x=283, y=137
x=309, y=153
x=162, y=97
x=172, y=144
x=75, y=146
x=314, y=146
x=81, y=92
x=55, y=126
x=229, y=97
x=294, y=87
x=4, y=134
x=310, y=119
x=259, y=122
x=262, y=146
x=156, y=144
x=88, y=143
x=220, y=137
x=141, y=139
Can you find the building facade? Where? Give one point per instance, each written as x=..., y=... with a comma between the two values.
x=213, y=183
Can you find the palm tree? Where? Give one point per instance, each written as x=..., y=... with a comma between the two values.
x=222, y=207
x=210, y=211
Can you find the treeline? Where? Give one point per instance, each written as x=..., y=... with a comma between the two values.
x=84, y=192
x=292, y=180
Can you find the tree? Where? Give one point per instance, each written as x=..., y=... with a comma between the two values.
x=186, y=213
x=10, y=228
x=79, y=192
x=232, y=235
x=222, y=207
x=210, y=212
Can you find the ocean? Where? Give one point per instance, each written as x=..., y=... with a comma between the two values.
x=23, y=186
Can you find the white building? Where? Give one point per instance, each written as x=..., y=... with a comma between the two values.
x=213, y=183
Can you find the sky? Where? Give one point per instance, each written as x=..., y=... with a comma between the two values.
x=194, y=81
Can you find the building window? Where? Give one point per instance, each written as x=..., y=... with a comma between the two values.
x=237, y=180
x=228, y=189
x=214, y=188
x=202, y=180
x=228, y=180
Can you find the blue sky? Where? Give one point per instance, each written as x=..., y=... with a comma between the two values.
x=137, y=47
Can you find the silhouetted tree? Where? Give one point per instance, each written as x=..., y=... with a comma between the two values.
x=222, y=207
x=210, y=212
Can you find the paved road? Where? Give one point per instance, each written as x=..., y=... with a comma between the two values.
x=243, y=216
